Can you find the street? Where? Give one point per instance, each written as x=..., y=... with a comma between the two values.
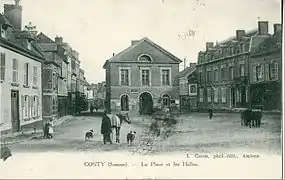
x=195, y=133
x=69, y=136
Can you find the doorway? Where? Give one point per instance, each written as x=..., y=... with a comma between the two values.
x=146, y=104
x=15, y=111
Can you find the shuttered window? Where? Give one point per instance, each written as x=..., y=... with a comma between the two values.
x=2, y=66
x=15, y=70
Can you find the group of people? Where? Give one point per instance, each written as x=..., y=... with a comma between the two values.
x=48, y=129
x=111, y=124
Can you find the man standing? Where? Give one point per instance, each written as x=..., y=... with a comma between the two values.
x=106, y=128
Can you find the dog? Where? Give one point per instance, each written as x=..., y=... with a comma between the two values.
x=131, y=137
x=89, y=135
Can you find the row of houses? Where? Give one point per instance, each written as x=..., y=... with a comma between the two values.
x=40, y=78
x=96, y=95
x=242, y=71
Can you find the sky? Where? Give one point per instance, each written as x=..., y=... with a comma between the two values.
x=98, y=28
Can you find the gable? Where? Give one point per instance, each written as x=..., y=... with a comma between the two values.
x=44, y=38
x=145, y=51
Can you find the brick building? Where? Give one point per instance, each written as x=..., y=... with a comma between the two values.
x=141, y=77
x=20, y=72
x=223, y=70
x=188, y=88
x=266, y=72
x=54, y=78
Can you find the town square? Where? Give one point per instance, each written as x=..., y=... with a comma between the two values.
x=141, y=96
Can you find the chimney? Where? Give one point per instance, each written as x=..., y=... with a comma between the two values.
x=58, y=40
x=262, y=27
x=13, y=12
x=193, y=65
x=240, y=34
x=209, y=45
x=113, y=54
x=277, y=27
x=134, y=42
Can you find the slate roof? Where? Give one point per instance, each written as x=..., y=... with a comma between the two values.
x=145, y=39
x=186, y=72
x=17, y=39
x=269, y=43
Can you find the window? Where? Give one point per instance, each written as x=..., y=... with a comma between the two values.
x=3, y=32
x=2, y=67
x=241, y=69
x=223, y=73
x=165, y=76
x=25, y=107
x=274, y=71
x=193, y=88
x=15, y=70
x=208, y=76
x=124, y=77
x=54, y=104
x=26, y=74
x=216, y=75
x=166, y=100
x=201, y=95
x=238, y=96
x=209, y=94
x=258, y=73
x=267, y=71
x=145, y=75
x=144, y=57
x=54, y=80
x=224, y=95
x=35, y=77
x=124, y=103
x=231, y=73
x=216, y=95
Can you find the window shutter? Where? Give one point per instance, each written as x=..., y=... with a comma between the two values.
x=276, y=70
x=262, y=72
x=266, y=72
x=254, y=73
x=23, y=105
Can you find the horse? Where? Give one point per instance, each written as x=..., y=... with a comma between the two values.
x=116, y=122
x=251, y=118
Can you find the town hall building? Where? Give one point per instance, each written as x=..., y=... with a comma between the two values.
x=142, y=77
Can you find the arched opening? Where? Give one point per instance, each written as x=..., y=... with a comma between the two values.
x=165, y=100
x=124, y=103
x=146, y=104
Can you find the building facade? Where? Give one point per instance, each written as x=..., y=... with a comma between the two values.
x=20, y=73
x=223, y=70
x=188, y=89
x=141, y=78
x=266, y=72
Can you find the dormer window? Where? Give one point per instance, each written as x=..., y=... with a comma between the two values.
x=29, y=45
x=145, y=58
x=3, y=32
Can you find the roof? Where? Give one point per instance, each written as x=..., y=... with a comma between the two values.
x=186, y=72
x=145, y=39
x=269, y=43
x=42, y=38
x=17, y=40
